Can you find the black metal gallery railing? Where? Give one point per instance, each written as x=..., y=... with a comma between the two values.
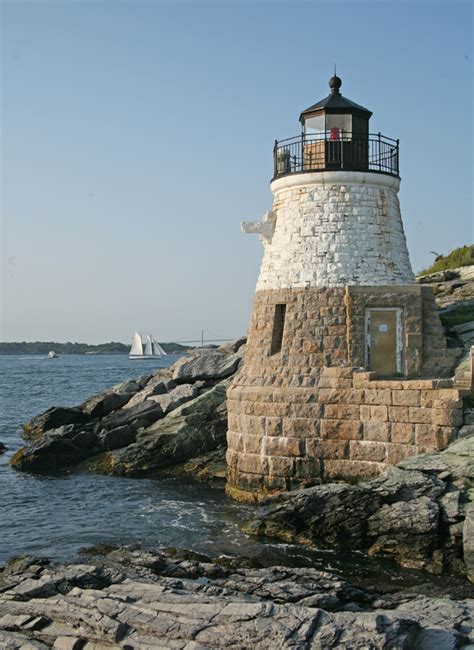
x=330, y=152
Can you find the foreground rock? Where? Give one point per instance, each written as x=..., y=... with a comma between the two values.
x=135, y=599
x=419, y=513
x=158, y=420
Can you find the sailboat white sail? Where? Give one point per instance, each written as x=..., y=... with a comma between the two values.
x=148, y=346
x=137, y=346
x=151, y=350
x=157, y=349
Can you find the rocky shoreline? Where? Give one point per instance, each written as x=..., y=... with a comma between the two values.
x=135, y=599
x=140, y=427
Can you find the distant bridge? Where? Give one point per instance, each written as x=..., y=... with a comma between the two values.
x=203, y=340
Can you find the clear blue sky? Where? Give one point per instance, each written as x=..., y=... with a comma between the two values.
x=137, y=136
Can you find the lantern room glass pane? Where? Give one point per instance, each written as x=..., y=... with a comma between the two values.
x=339, y=126
x=315, y=125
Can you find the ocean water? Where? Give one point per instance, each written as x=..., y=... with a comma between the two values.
x=56, y=516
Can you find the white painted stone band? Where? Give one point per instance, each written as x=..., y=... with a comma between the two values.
x=332, y=229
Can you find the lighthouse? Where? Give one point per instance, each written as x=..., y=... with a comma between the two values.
x=347, y=367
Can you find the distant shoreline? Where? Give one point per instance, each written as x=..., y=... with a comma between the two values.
x=43, y=347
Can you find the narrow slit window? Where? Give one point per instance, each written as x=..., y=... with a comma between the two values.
x=278, y=327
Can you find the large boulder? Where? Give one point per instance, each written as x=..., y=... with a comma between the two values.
x=143, y=380
x=242, y=351
x=196, y=427
x=98, y=406
x=401, y=485
x=158, y=384
x=233, y=346
x=407, y=529
x=52, y=418
x=211, y=365
x=141, y=415
x=329, y=516
x=179, y=395
x=126, y=387
x=460, y=458
x=57, y=449
x=117, y=438
x=465, y=331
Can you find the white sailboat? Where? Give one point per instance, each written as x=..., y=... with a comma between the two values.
x=151, y=350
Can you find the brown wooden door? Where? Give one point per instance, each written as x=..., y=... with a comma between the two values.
x=383, y=341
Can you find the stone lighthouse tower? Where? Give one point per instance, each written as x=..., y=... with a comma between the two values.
x=340, y=334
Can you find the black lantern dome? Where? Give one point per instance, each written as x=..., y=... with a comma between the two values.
x=336, y=112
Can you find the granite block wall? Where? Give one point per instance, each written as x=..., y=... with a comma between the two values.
x=349, y=426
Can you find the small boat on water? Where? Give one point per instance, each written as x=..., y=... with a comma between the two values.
x=149, y=349
x=52, y=355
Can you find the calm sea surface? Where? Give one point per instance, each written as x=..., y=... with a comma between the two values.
x=58, y=516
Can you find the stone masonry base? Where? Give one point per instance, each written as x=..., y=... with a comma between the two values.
x=326, y=327
x=348, y=426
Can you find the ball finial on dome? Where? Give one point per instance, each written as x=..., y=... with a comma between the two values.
x=335, y=83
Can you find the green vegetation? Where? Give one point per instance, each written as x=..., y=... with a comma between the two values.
x=463, y=256
x=40, y=347
x=457, y=316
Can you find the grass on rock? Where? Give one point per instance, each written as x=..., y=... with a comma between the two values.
x=463, y=256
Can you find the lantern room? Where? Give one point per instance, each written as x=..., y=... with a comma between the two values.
x=335, y=135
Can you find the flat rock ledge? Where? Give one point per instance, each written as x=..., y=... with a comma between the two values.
x=420, y=513
x=140, y=600
x=140, y=427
